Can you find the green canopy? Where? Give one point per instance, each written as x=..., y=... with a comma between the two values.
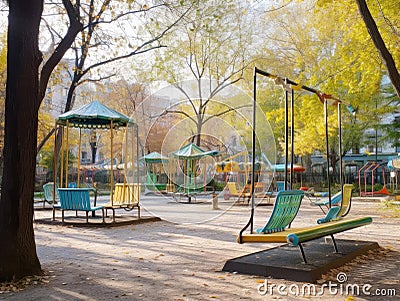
x=154, y=157
x=192, y=151
x=94, y=115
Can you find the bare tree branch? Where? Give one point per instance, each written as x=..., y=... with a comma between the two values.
x=227, y=111
x=179, y=112
x=92, y=80
x=74, y=28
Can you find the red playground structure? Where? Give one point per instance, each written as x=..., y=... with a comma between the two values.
x=371, y=169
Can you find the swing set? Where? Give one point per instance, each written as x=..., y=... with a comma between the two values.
x=326, y=99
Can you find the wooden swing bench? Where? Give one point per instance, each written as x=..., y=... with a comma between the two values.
x=286, y=207
x=126, y=196
x=76, y=199
x=245, y=194
x=48, y=197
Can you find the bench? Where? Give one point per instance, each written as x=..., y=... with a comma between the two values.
x=340, y=204
x=48, y=192
x=277, y=228
x=245, y=193
x=337, y=200
x=275, y=188
x=126, y=196
x=77, y=199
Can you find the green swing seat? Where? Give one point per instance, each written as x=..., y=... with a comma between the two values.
x=278, y=230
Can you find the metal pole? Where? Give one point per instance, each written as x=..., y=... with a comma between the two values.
x=55, y=164
x=286, y=135
x=327, y=150
x=112, y=163
x=125, y=164
x=253, y=146
x=292, y=140
x=340, y=146
x=79, y=158
x=137, y=156
x=133, y=154
x=66, y=155
x=62, y=156
x=376, y=135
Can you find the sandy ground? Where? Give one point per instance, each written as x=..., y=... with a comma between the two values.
x=168, y=261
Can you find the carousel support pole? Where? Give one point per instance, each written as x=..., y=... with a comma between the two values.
x=62, y=156
x=168, y=175
x=66, y=155
x=185, y=171
x=133, y=154
x=79, y=158
x=134, y=187
x=54, y=164
x=112, y=163
x=205, y=176
x=136, y=127
x=246, y=172
x=125, y=164
x=153, y=170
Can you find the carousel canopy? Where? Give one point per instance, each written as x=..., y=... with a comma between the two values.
x=94, y=115
x=192, y=151
x=154, y=157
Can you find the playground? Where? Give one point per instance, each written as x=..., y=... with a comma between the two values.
x=174, y=232
x=162, y=260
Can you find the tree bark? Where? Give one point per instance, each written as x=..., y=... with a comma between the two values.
x=18, y=256
x=380, y=45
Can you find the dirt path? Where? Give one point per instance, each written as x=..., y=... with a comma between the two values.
x=164, y=261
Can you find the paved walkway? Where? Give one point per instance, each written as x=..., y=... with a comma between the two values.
x=175, y=260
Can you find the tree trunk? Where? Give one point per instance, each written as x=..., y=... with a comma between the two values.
x=199, y=128
x=18, y=256
x=380, y=45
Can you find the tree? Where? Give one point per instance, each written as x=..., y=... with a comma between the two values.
x=96, y=46
x=18, y=252
x=211, y=54
x=25, y=90
x=3, y=71
x=379, y=43
x=326, y=56
x=366, y=73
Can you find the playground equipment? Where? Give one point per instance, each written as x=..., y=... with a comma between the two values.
x=279, y=168
x=155, y=171
x=193, y=171
x=370, y=169
x=290, y=86
x=94, y=115
x=278, y=228
x=394, y=167
x=235, y=171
